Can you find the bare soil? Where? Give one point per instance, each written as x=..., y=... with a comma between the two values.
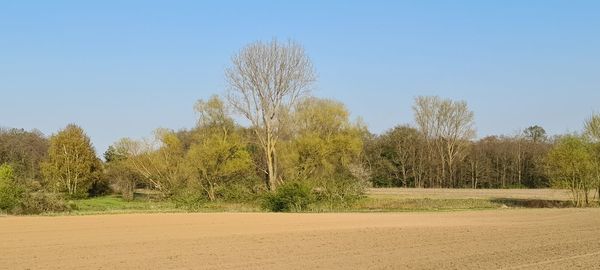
x=496, y=239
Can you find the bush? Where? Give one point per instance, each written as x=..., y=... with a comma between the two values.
x=40, y=202
x=239, y=192
x=189, y=199
x=99, y=188
x=336, y=193
x=290, y=197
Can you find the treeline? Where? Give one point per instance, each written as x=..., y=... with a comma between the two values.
x=404, y=157
x=220, y=160
x=297, y=152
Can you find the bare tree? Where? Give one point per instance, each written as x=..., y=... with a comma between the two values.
x=448, y=126
x=265, y=81
x=592, y=127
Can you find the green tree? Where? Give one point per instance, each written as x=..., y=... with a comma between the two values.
x=592, y=131
x=325, y=148
x=72, y=165
x=570, y=166
x=400, y=159
x=23, y=150
x=535, y=133
x=10, y=192
x=218, y=156
x=324, y=142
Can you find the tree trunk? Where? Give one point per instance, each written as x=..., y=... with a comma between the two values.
x=271, y=179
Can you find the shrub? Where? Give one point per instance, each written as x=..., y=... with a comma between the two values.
x=240, y=192
x=99, y=188
x=40, y=202
x=189, y=199
x=342, y=192
x=290, y=197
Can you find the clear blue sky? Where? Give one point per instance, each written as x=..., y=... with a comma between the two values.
x=124, y=68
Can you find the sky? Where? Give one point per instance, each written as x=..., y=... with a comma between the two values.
x=124, y=68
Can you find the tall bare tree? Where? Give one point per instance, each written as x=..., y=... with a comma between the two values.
x=265, y=81
x=449, y=126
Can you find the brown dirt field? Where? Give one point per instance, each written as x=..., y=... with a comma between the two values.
x=497, y=239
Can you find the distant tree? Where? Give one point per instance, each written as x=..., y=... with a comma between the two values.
x=265, y=81
x=23, y=150
x=118, y=171
x=402, y=155
x=477, y=168
x=72, y=165
x=448, y=127
x=113, y=154
x=535, y=133
x=506, y=161
x=570, y=165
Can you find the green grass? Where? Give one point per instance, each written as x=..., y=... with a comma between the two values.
x=115, y=204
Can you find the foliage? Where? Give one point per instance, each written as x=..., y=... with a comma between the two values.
x=23, y=150
x=218, y=156
x=592, y=128
x=120, y=173
x=570, y=165
x=290, y=197
x=338, y=193
x=158, y=162
x=41, y=202
x=592, y=132
x=189, y=199
x=11, y=194
x=325, y=148
x=16, y=199
x=246, y=191
x=397, y=157
x=401, y=157
x=122, y=178
x=72, y=165
x=100, y=186
x=535, y=133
